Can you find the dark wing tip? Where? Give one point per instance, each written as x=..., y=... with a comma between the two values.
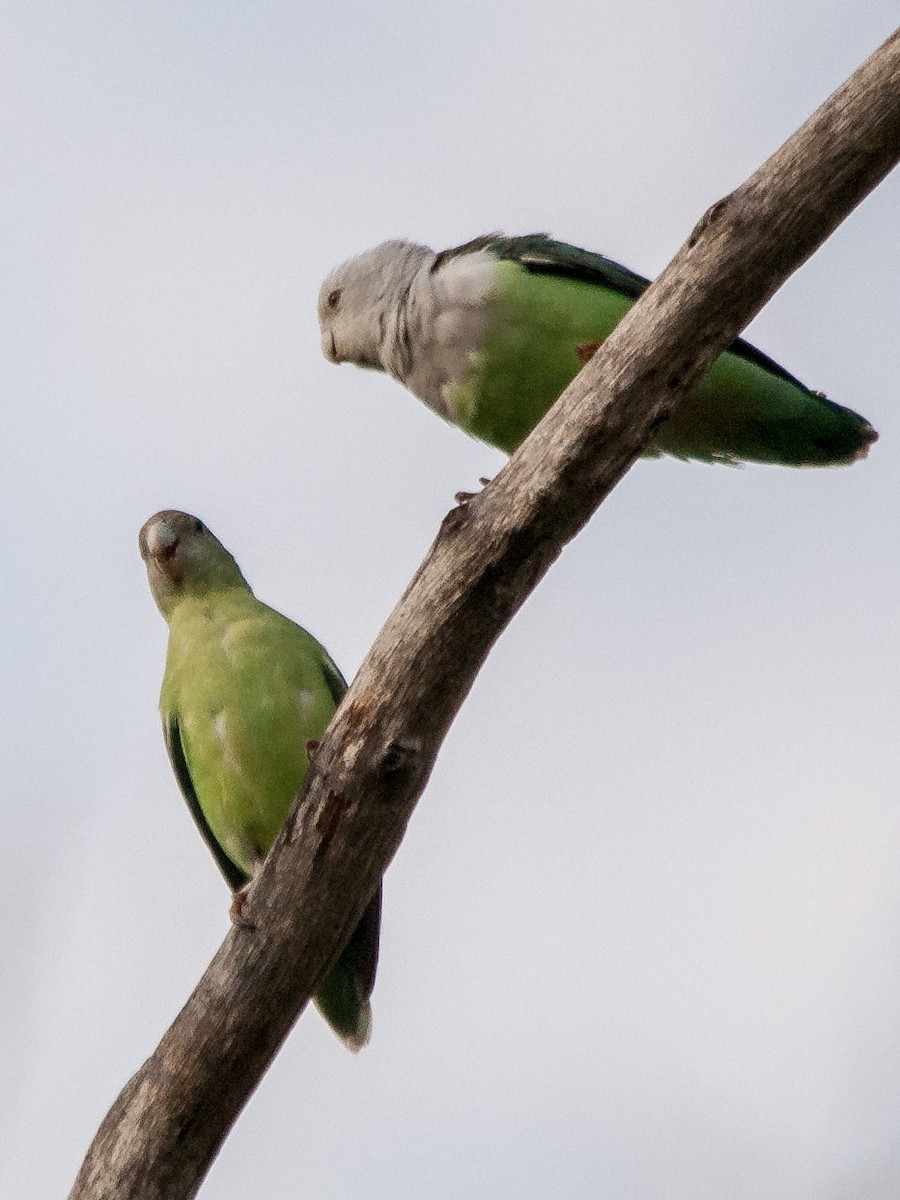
x=172, y=734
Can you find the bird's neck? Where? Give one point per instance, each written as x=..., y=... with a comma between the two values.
x=222, y=604
x=409, y=304
x=439, y=320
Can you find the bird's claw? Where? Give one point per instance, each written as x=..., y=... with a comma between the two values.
x=237, y=906
x=466, y=497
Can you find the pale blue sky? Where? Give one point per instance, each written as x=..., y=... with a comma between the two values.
x=642, y=938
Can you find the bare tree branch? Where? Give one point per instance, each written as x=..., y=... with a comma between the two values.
x=167, y=1125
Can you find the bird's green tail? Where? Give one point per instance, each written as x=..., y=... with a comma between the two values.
x=347, y=1012
x=343, y=996
x=749, y=412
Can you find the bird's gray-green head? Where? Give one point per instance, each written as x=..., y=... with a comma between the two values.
x=361, y=304
x=183, y=559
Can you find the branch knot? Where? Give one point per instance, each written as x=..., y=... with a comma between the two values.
x=400, y=755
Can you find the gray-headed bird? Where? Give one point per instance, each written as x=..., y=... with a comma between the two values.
x=490, y=333
x=245, y=694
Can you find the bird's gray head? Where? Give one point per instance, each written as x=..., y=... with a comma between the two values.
x=360, y=301
x=183, y=557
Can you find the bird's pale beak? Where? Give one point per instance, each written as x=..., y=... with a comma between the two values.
x=161, y=540
x=329, y=346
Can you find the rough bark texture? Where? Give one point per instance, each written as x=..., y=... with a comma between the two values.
x=165, y=1128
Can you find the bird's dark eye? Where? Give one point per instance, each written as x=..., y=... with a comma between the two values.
x=334, y=298
x=199, y=527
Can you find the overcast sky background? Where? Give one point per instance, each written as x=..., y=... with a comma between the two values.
x=643, y=938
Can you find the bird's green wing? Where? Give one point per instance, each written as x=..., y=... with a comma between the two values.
x=542, y=255
x=553, y=301
x=234, y=876
x=334, y=680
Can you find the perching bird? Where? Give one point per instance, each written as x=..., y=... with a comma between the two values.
x=490, y=333
x=245, y=692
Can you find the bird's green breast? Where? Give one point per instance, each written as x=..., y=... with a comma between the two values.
x=530, y=354
x=248, y=691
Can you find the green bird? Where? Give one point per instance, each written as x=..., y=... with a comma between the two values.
x=245, y=695
x=490, y=333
